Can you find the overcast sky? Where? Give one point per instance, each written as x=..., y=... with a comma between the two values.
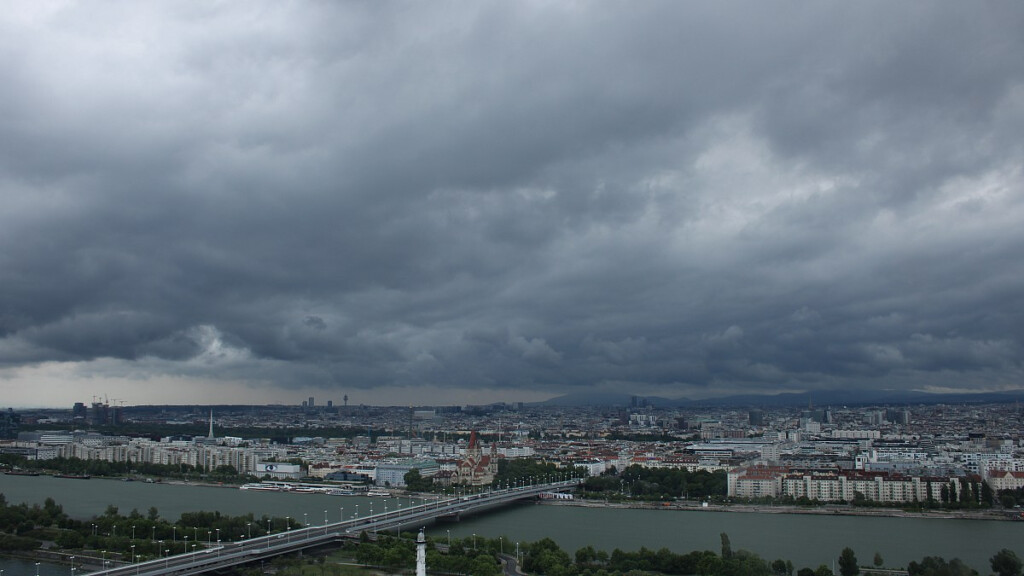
x=436, y=202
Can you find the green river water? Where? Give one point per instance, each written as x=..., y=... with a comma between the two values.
x=807, y=540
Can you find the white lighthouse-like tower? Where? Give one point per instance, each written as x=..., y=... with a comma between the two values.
x=421, y=554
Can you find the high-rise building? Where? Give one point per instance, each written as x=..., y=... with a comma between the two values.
x=9, y=424
x=756, y=417
x=100, y=414
x=311, y=404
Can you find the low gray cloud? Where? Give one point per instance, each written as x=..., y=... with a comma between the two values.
x=681, y=199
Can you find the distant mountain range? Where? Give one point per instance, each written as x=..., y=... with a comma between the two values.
x=817, y=398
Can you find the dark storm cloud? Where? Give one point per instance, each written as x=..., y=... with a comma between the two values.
x=673, y=198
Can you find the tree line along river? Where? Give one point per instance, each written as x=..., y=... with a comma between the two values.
x=806, y=540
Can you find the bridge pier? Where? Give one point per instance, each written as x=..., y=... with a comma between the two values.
x=449, y=518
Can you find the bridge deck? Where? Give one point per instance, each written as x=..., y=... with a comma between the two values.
x=264, y=547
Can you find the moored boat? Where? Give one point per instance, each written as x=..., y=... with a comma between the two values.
x=261, y=487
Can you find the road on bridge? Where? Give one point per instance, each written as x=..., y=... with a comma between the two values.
x=264, y=547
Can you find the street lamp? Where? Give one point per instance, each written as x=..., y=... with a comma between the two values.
x=474, y=541
x=174, y=533
x=161, y=548
x=248, y=526
x=153, y=538
x=133, y=531
x=37, y=568
x=72, y=565
x=449, y=538
x=325, y=517
x=133, y=553
x=305, y=519
x=218, y=535
x=341, y=513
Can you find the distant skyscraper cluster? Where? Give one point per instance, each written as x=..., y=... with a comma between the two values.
x=311, y=403
x=98, y=414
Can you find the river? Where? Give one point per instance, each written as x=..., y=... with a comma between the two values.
x=807, y=540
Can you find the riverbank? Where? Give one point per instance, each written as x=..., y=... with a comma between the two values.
x=825, y=510
x=822, y=510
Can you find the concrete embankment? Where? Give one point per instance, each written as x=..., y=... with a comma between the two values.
x=764, y=509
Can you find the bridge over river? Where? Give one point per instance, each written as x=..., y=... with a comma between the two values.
x=256, y=549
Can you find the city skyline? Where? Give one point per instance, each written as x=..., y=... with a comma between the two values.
x=480, y=202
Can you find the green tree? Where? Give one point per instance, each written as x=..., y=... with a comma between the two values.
x=586, y=555
x=484, y=565
x=726, y=547
x=709, y=564
x=878, y=560
x=823, y=570
x=69, y=539
x=966, y=494
x=937, y=566
x=848, y=563
x=1006, y=563
x=987, y=496
x=416, y=482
